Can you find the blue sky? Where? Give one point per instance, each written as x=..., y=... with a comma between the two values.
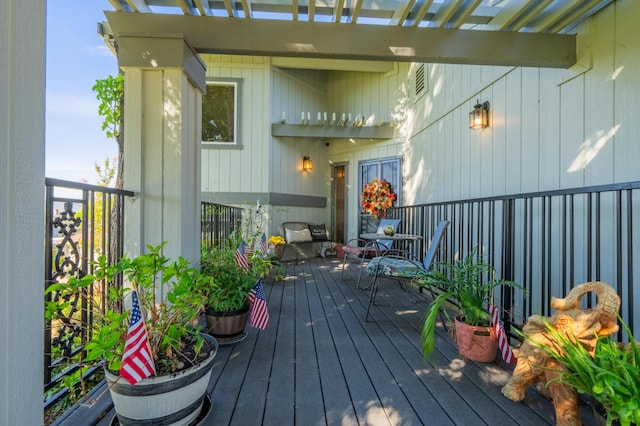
x=76, y=58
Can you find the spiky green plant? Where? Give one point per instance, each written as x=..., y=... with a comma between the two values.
x=469, y=284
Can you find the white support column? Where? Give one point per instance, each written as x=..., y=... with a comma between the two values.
x=164, y=81
x=22, y=104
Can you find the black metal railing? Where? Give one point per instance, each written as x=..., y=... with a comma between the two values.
x=82, y=222
x=218, y=223
x=547, y=241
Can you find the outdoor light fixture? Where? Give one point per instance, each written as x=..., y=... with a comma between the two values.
x=306, y=164
x=479, y=117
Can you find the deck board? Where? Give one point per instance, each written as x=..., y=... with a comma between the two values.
x=320, y=363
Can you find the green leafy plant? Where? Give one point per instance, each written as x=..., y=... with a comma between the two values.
x=609, y=375
x=468, y=284
x=226, y=285
x=171, y=319
x=110, y=95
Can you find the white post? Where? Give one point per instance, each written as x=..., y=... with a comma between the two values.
x=22, y=104
x=162, y=149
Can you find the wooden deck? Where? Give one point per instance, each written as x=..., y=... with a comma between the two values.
x=320, y=363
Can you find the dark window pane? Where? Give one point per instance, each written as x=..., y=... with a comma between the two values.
x=218, y=113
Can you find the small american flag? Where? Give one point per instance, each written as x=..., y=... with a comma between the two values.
x=503, y=342
x=241, y=258
x=259, y=314
x=263, y=244
x=137, y=362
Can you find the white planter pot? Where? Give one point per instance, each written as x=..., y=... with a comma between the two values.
x=172, y=400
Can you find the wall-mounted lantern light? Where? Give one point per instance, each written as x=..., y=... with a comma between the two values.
x=306, y=164
x=479, y=117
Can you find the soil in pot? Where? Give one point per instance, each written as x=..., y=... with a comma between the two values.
x=476, y=343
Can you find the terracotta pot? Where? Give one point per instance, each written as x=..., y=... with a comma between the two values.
x=227, y=326
x=476, y=343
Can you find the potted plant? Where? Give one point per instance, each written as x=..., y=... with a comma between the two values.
x=227, y=285
x=468, y=284
x=608, y=372
x=169, y=310
x=232, y=272
x=276, y=245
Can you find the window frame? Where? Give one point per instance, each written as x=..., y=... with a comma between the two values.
x=378, y=163
x=236, y=83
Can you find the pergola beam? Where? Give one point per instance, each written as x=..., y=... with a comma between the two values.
x=208, y=34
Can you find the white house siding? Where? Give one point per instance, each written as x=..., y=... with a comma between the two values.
x=243, y=170
x=549, y=129
x=162, y=152
x=22, y=104
x=266, y=165
x=293, y=92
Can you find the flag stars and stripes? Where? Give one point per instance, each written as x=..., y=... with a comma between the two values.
x=241, y=258
x=259, y=317
x=137, y=361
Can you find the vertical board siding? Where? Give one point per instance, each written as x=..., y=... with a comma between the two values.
x=549, y=128
x=241, y=170
x=626, y=80
x=297, y=91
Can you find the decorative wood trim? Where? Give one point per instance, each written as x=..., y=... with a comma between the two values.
x=331, y=132
x=272, y=198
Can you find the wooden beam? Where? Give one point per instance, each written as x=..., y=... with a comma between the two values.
x=312, y=10
x=401, y=12
x=419, y=11
x=229, y=8
x=356, y=6
x=465, y=11
x=139, y=6
x=187, y=7
x=247, y=7
x=203, y=7
x=331, y=132
x=529, y=15
x=340, y=41
x=332, y=64
x=444, y=13
x=508, y=14
x=338, y=8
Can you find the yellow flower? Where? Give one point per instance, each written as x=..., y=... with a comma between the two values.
x=276, y=240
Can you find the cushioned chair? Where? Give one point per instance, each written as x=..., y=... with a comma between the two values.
x=361, y=250
x=401, y=266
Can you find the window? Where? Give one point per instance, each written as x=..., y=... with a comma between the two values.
x=220, y=113
x=388, y=169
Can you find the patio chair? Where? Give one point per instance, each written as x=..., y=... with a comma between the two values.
x=361, y=250
x=401, y=266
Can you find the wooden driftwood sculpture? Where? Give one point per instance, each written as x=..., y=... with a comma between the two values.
x=534, y=365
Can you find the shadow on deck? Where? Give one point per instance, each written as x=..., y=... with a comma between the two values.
x=320, y=363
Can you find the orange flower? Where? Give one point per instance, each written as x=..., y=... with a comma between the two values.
x=377, y=197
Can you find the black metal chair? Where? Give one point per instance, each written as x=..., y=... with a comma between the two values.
x=361, y=250
x=401, y=266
